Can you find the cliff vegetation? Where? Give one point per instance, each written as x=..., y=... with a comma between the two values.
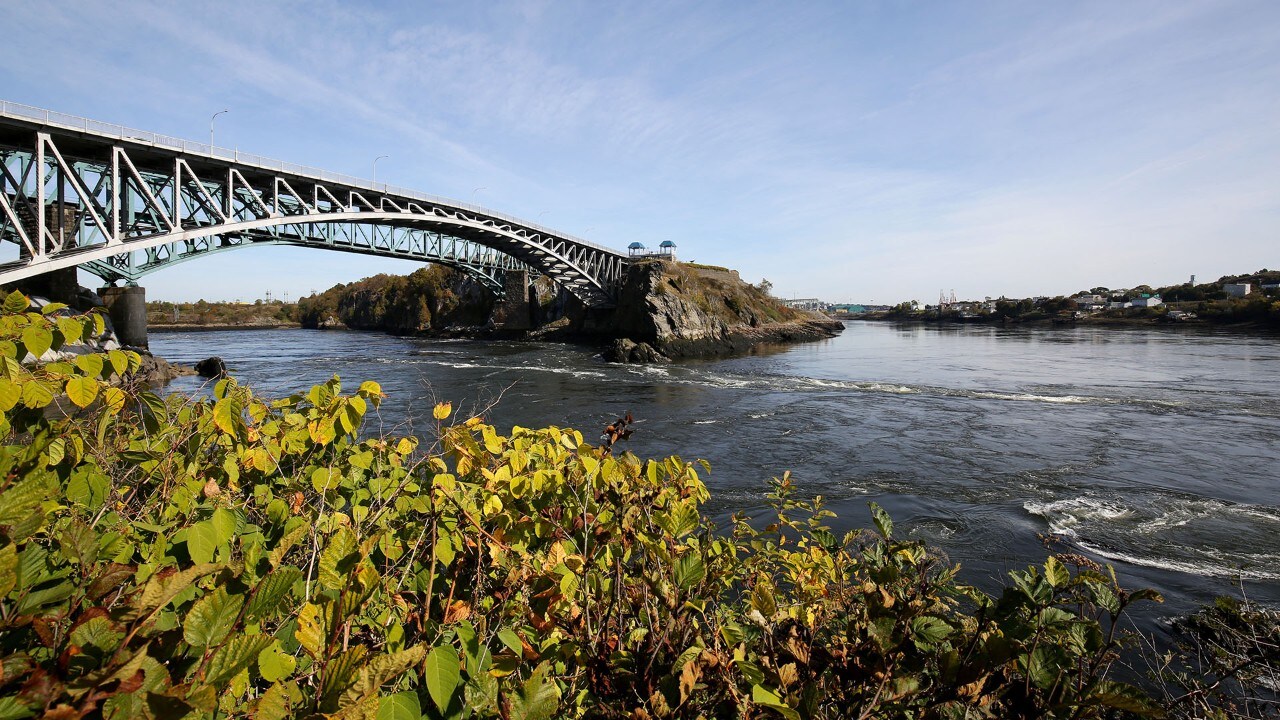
x=431, y=298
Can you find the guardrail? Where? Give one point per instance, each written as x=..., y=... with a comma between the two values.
x=53, y=118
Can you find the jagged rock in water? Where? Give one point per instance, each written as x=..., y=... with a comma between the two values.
x=623, y=350
x=212, y=367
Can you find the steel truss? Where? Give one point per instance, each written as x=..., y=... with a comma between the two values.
x=122, y=203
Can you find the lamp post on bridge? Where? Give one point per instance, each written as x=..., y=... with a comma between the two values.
x=215, y=117
x=375, y=166
x=473, y=194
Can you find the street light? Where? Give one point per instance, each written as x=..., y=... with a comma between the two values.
x=215, y=117
x=473, y=194
x=375, y=166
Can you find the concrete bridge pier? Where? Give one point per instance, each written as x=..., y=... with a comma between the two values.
x=513, y=312
x=127, y=307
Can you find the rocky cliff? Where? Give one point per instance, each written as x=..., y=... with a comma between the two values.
x=669, y=311
x=429, y=299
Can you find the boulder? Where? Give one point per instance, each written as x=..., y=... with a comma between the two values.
x=212, y=367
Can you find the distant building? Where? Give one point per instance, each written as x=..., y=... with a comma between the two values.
x=1118, y=305
x=1147, y=301
x=1237, y=289
x=805, y=304
x=666, y=250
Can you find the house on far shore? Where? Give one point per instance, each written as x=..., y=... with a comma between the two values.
x=1147, y=301
x=1237, y=289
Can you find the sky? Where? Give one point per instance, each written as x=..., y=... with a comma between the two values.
x=851, y=151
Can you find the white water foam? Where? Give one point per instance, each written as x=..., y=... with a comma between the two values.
x=1114, y=530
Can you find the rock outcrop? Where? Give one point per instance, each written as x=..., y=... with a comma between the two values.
x=212, y=367
x=670, y=311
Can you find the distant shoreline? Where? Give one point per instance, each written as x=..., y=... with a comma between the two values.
x=212, y=327
x=1103, y=322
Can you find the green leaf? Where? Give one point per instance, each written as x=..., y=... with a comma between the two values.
x=761, y=695
x=36, y=394
x=442, y=675
x=52, y=308
x=91, y=365
x=511, y=640
x=274, y=704
x=233, y=657
x=274, y=664
x=202, y=541
x=1056, y=573
x=37, y=339
x=225, y=414
x=928, y=631
x=538, y=698
x=98, y=633
x=337, y=559
x=82, y=390
x=224, y=522
x=401, y=706
x=71, y=329
x=339, y=673
x=287, y=542
x=10, y=394
x=80, y=543
x=884, y=524
x=160, y=590
x=382, y=669
x=119, y=361
x=690, y=570
x=16, y=302
x=211, y=618
x=271, y=590
x=8, y=568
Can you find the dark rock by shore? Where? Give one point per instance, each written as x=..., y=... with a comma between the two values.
x=156, y=371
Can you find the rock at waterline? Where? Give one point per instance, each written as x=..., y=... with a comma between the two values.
x=212, y=367
x=624, y=350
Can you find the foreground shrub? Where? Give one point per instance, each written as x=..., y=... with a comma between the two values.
x=169, y=557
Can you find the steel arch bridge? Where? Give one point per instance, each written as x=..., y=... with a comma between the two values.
x=123, y=203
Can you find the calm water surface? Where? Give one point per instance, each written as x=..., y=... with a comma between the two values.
x=1154, y=450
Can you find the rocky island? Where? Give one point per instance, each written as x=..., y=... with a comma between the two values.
x=666, y=310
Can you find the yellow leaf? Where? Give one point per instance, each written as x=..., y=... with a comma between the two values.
x=82, y=390
x=311, y=631
x=493, y=505
x=442, y=410
x=113, y=398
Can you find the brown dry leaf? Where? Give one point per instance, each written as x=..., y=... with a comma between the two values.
x=688, y=680
x=457, y=612
x=211, y=489
x=788, y=675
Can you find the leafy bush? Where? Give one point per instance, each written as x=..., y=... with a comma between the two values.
x=169, y=557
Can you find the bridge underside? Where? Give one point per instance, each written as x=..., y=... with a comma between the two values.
x=122, y=206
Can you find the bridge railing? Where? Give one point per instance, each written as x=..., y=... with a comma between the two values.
x=144, y=137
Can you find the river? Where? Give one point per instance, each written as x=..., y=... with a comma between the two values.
x=1156, y=450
